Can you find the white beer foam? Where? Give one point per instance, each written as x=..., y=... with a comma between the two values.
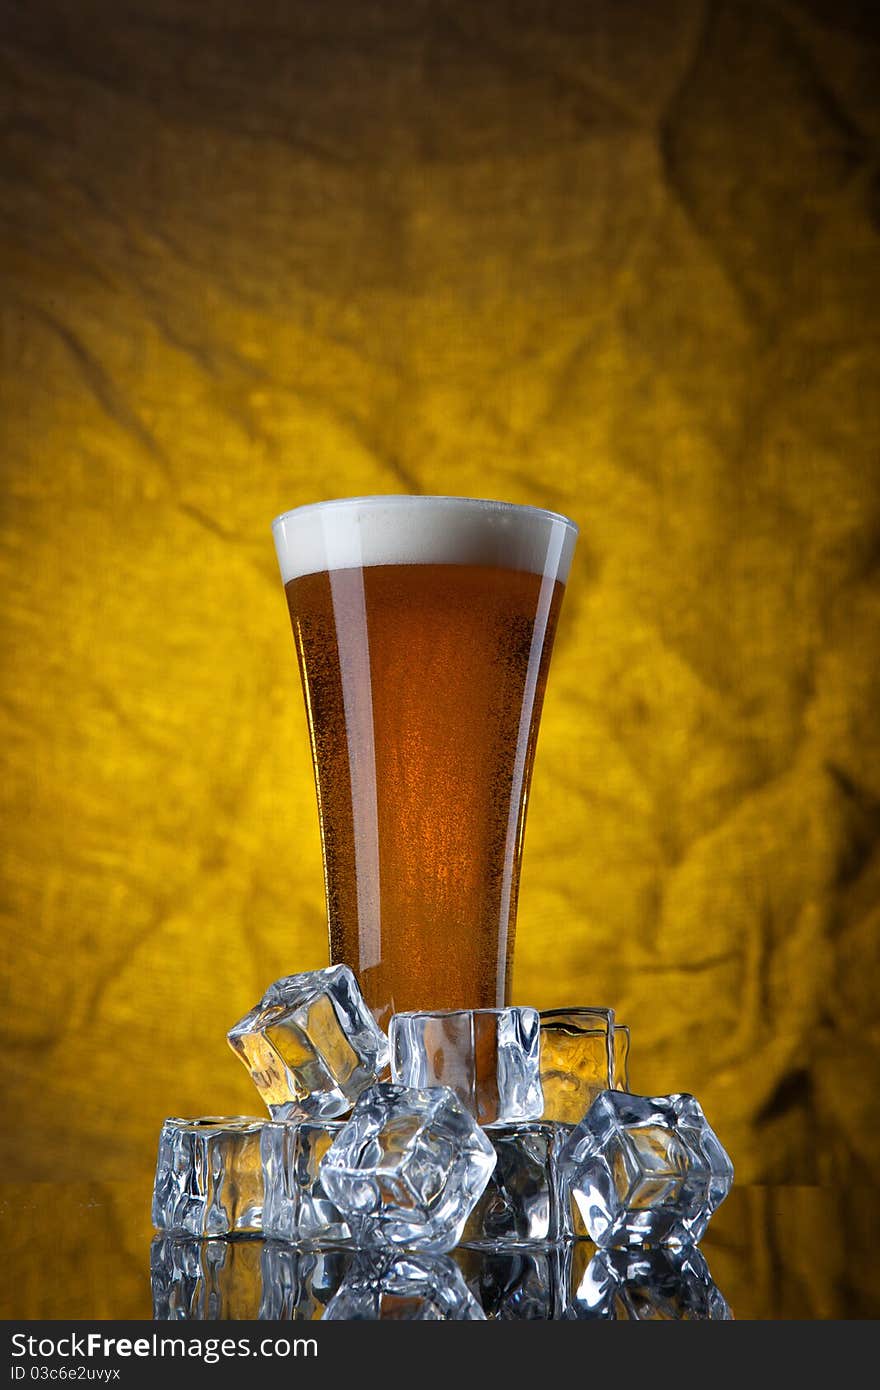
x=357, y=532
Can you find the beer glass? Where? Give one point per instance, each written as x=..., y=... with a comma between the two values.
x=423, y=628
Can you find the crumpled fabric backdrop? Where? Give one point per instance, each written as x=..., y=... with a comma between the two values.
x=616, y=259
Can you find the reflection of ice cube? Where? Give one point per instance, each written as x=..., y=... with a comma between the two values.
x=204, y=1279
x=311, y=1045
x=642, y=1170
x=489, y=1057
x=296, y=1206
x=298, y=1284
x=658, y=1285
x=520, y=1203
x=209, y=1177
x=513, y=1285
x=403, y=1287
x=407, y=1168
x=577, y=1060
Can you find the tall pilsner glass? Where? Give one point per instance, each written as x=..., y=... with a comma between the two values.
x=423, y=627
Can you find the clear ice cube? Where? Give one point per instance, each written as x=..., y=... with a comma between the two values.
x=296, y=1207
x=577, y=1060
x=403, y=1287
x=642, y=1170
x=311, y=1045
x=520, y=1203
x=407, y=1168
x=489, y=1057
x=209, y=1177
x=658, y=1285
x=204, y=1279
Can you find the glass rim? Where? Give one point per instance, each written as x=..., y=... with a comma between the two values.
x=398, y=498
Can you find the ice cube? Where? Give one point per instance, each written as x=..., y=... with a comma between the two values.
x=577, y=1060
x=403, y=1287
x=642, y=1170
x=311, y=1045
x=407, y=1168
x=209, y=1177
x=520, y=1203
x=489, y=1057
x=296, y=1207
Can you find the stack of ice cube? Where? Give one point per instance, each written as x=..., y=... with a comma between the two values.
x=499, y=1132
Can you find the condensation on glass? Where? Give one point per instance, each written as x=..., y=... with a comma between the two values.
x=424, y=628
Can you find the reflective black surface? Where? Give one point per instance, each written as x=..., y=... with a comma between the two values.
x=84, y=1251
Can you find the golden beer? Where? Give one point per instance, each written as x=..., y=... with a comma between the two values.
x=424, y=640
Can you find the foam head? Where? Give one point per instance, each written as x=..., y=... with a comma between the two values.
x=357, y=532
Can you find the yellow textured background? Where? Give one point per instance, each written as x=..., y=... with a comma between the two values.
x=618, y=259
